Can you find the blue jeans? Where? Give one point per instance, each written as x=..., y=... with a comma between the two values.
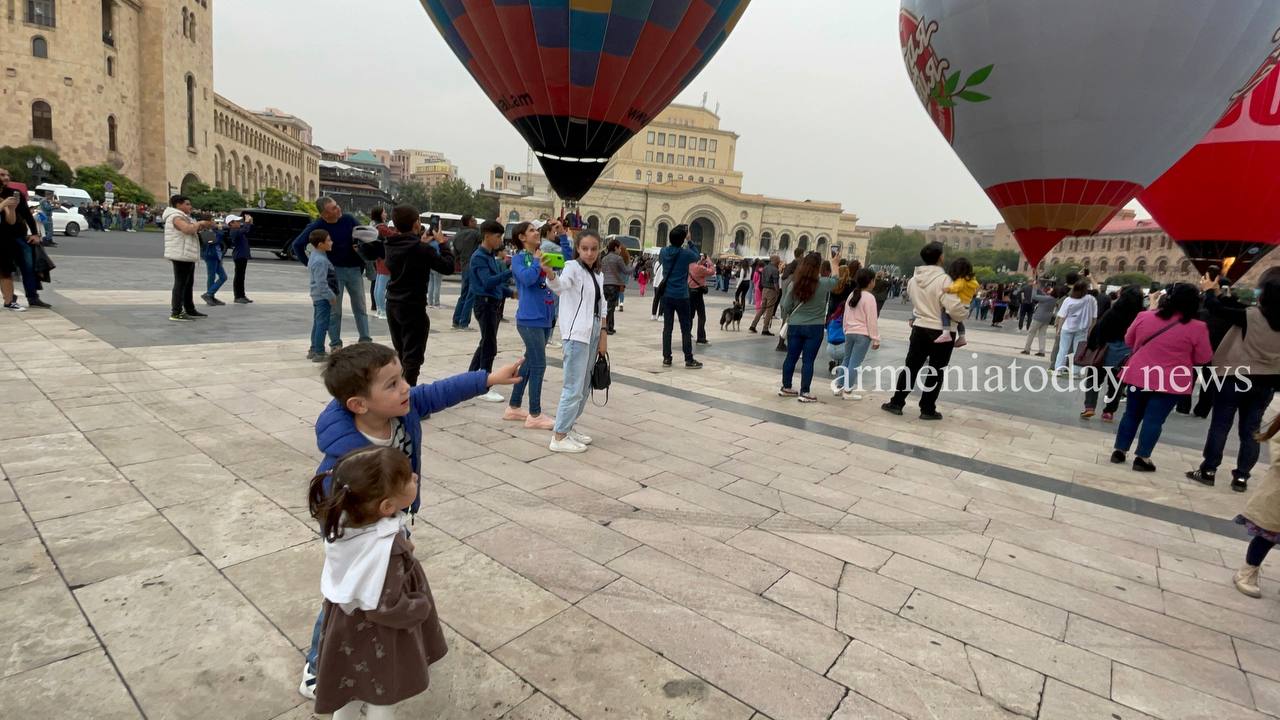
x=319, y=324
x=1148, y=409
x=579, y=358
x=24, y=258
x=1250, y=404
x=857, y=345
x=433, y=289
x=1067, y=347
x=216, y=275
x=534, y=367
x=380, y=292
x=351, y=282
x=462, y=311
x=806, y=341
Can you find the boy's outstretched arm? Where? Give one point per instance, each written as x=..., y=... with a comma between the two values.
x=433, y=397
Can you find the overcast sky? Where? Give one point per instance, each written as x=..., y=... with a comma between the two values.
x=816, y=90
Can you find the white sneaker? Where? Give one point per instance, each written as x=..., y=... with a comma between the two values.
x=492, y=396
x=851, y=396
x=579, y=437
x=567, y=445
x=555, y=344
x=307, y=688
x=14, y=306
x=654, y=318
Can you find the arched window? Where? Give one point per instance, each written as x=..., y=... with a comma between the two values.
x=513, y=216
x=1184, y=267
x=1120, y=265
x=1102, y=265
x=593, y=222
x=635, y=229
x=615, y=226
x=740, y=239
x=191, y=28
x=639, y=174
x=112, y=146
x=784, y=242
x=822, y=245
x=41, y=120
x=803, y=243
x=663, y=231
x=186, y=20
x=1142, y=265
x=111, y=66
x=659, y=177
x=191, y=109
x=39, y=47
x=1162, y=266
x=766, y=242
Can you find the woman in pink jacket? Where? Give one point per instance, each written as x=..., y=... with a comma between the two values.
x=861, y=332
x=1167, y=345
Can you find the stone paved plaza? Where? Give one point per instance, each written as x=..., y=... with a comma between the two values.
x=719, y=553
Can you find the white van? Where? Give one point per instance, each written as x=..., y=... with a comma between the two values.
x=66, y=195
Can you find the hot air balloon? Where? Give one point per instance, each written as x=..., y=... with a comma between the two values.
x=1221, y=201
x=1063, y=110
x=578, y=78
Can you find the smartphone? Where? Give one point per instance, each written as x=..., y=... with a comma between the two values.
x=433, y=223
x=1214, y=272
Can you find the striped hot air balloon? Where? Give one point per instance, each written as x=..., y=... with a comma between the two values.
x=578, y=78
x=1063, y=110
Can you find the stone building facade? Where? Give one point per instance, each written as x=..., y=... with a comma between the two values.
x=705, y=195
x=961, y=235
x=126, y=83
x=251, y=153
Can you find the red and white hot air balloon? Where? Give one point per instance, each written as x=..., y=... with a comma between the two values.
x=1221, y=201
x=1064, y=110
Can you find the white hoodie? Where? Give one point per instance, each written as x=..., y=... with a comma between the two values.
x=929, y=298
x=179, y=245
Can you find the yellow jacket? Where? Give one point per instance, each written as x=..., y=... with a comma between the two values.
x=964, y=288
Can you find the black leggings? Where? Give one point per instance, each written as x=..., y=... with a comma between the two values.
x=741, y=295
x=1258, y=550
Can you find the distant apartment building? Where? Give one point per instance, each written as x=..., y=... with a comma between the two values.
x=961, y=235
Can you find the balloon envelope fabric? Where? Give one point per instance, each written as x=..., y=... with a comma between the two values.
x=1221, y=201
x=578, y=78
x=1063, y=110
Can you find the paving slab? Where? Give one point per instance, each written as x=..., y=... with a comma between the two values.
x=99, y=544
x=766, y=681
x=47, y=453
x=538, y=707
x=799, y=593
x=819, y=567
x=14, y=523
x=236, y=526
x=484, y=601
x=177, y=480
x=1064, y=702
x=182, y=625
x=552, y=566
x=467, y=685
x=702, y=552
x=75, y=490
x=285, y=586
x=24, y=561
x=132, y=444
x=1170, y=701
x=583, y=536
x=622, y=679
x=81, y=686
x=41, y=624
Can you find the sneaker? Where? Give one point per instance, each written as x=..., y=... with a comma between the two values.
x=196, y=314
x=1246, y=581
x=1086, y=413
x=1117, y=456
x=14, y=306
x=307, y=688
x=930, y=415
x=567, y=445
x=1108, y=417
x=1025, y=352
x=891, y=408
x=621, y=309
x=1239, y=484
x=653, y=318
x=693, y=365
x=319, y=357
x=180, y=317
x=850, y=396
x=703, y=342
x=1141, y=465
x=208, y=299
x=831, y=367
x=38, y=303
x=243, y=301
x=1202, y=477
x=612, y=332
x=1039, y=354
x=513, y=414
x=540, y=422
x=580, y=438
x=752, y=329
x=492, y=396
x=216, y=301
x=766, y=333
x=807, y=398
x=666, y=362
x=555, y=344
x=787, y=392
x=335, y=346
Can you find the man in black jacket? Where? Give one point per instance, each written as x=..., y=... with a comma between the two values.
x=411, y=256
x=22, y=253
x=465, y=243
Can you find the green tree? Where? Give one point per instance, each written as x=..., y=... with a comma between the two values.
x=1129, y=278
x=453, y=196
x=308, y=207
x=486, y=206
x=1060, y=271
x=204, y=197
x=14, y=159
x=93, y=178
x=896, y=246
x=988, y=274
x=416, y=195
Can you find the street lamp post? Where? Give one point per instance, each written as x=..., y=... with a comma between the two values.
x=39, y=168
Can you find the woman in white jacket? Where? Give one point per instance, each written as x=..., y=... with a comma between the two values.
x=580, y=286
x=182, y=248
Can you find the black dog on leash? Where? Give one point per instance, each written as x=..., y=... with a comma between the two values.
x=732, y=316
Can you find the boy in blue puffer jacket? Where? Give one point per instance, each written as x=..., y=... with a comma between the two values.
x=373, y=405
